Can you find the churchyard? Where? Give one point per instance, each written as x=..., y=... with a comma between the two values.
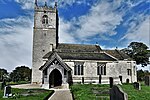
x=90, y=92
x=131, y=91
x=101, y=92
x=134, y=94
x=26, y=94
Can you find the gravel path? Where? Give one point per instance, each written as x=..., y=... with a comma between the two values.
x=26, y=86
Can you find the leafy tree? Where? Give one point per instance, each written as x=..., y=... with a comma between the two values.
x=138, y=52
x=141, y=74
x=22, y=73
x=3, y=74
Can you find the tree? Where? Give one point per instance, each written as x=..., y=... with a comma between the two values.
x=3, y=74
x=22, y=73
x=138, y=52
x=141, y=74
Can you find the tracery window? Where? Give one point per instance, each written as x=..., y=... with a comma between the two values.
x=78, y=69
x=101, y=69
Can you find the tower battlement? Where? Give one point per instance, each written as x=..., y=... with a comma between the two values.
x=46, y=8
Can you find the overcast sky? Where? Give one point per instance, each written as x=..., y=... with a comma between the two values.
x=110, y=23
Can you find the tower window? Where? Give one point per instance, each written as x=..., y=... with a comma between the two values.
x=45, y=19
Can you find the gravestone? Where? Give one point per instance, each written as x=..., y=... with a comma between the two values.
x=116, y=93
x=127, y=80
x=111, y=82
x=82, y=80
x=100, y=78
x=7, y=92
x=147, y=80
x=137, y=85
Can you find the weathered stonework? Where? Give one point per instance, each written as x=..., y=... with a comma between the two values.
x=45, y=38
x=113, y=69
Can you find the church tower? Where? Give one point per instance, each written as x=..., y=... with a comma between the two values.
x=45, y=36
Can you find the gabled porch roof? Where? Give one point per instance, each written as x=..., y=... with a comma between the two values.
x=55, y=56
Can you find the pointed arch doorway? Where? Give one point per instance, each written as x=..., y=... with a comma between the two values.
x=55, y=78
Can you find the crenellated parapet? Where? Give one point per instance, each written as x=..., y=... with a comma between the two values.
x=45, y=7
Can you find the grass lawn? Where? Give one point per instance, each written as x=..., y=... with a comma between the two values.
x=90, y=92
x=97, y=92
x=27, y=94
x=133, y=94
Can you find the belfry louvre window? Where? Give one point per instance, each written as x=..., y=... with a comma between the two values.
x=101, y=69
x=78, y=69
x=45, y=19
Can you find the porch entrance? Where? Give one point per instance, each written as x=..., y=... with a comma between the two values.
x=55, y=78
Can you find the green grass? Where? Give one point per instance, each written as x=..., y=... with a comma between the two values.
x=90, y=92
x=86, y=92
x=27, y=94
x=17, y=83
x=133, y=94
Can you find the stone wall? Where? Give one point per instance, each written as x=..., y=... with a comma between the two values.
x=45, y=38
x=113, y=69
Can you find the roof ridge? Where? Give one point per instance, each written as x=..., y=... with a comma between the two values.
x=78, y=44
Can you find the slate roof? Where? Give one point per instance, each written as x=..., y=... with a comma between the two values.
x=78, y=48
x=55, y=57
x=87, y=52
x=118, y=54
x=82, y=56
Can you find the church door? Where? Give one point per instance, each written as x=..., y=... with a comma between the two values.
x=55, y=78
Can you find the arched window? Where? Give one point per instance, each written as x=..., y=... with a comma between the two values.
x=45, y=19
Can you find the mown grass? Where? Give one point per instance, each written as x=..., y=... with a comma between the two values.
x=133, y=94
x=90, y=92
x=27, y=94
x=85, y=92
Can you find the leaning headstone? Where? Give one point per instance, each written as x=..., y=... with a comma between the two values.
x=116, y=93
x=137, y=85
x=7, y=92
x=147, y=80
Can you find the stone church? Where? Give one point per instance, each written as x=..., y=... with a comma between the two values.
x=55, y=64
